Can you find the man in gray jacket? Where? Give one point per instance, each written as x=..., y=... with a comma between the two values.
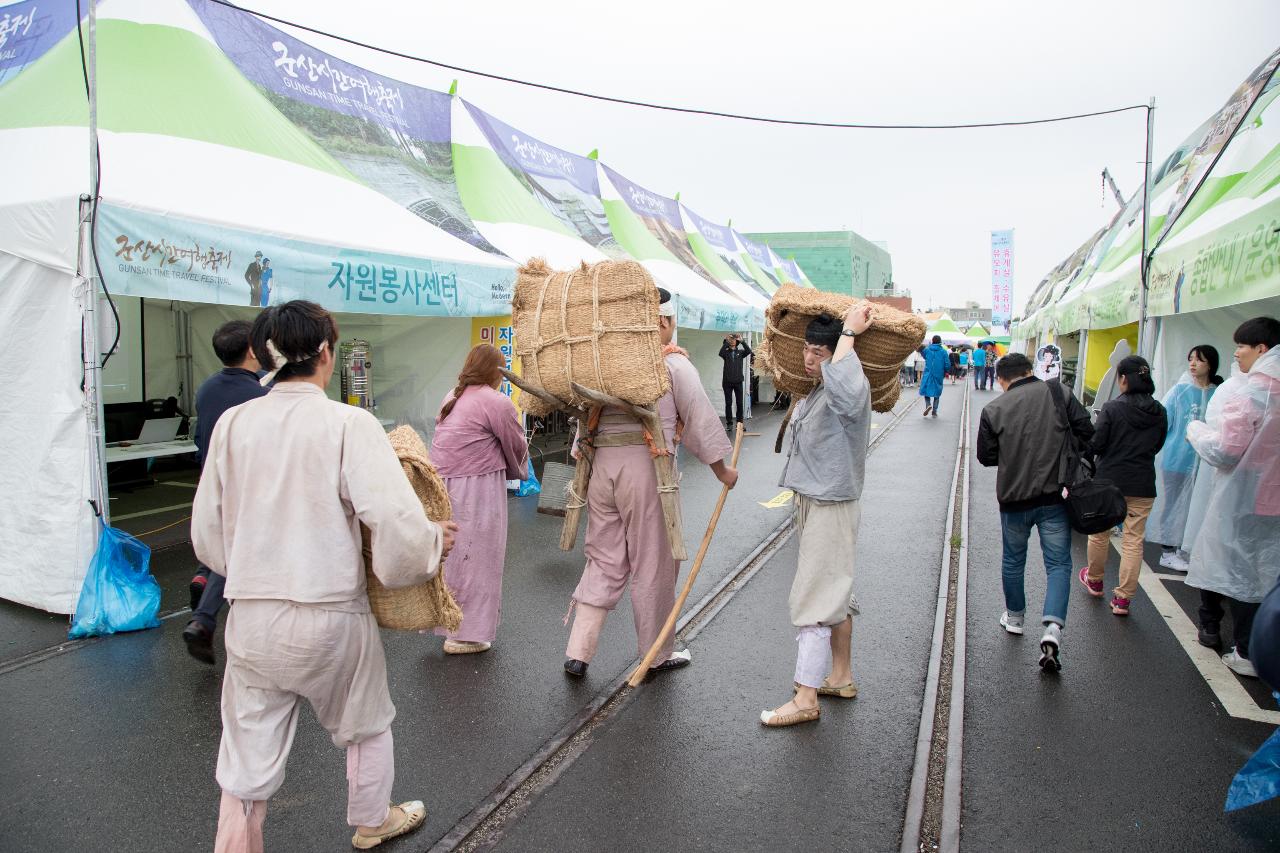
x=1022, y=433
x=825, y=466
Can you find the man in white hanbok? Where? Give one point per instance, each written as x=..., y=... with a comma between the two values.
x=288, y=480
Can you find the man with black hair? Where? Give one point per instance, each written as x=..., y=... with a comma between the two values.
x=1022, y=433
x=735, y=353
x=825, y=468
x=236, y=383
x=1236, y=557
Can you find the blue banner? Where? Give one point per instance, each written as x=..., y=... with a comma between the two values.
x=166, y=257
x=521, y=151
x=28, y=30
x=295, y=69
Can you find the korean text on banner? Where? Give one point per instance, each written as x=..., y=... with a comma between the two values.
x=499, y=332
x=1001, y=277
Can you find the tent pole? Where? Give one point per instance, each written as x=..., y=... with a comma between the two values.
x=1144, y=266
x=88, y=269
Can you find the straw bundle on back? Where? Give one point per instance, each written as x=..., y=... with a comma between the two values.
x=883, y=348
x=428, y=605
x=595, y=325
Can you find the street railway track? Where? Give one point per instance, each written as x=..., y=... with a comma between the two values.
x=484, y=827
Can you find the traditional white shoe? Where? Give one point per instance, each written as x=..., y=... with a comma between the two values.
x=460, y=647
x=1174, y=560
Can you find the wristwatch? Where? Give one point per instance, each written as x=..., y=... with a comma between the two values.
x=848, y=333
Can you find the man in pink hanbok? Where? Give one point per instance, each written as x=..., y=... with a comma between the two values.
x=287, y=481
x=626, y=535
x=478, y=445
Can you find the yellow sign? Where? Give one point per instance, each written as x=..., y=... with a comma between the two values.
x=498, y=332
x=782, y=499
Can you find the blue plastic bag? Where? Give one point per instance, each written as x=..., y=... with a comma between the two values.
x=530, y=486
x=1259, y=779
x=119, y=593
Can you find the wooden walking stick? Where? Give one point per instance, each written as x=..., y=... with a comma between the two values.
x=643, y=669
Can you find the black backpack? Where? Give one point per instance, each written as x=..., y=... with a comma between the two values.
x=1093, y=506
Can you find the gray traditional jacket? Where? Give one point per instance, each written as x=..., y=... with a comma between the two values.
x=827, y=457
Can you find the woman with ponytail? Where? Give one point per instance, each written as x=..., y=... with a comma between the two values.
x=1177, y=465
x=478, y=445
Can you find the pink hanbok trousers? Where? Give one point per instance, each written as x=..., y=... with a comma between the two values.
x=626, y=542
x=473, y=569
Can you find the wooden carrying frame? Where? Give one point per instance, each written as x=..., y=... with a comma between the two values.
x=588, y=420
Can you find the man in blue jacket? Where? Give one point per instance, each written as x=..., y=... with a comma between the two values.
x=936, y=359
x=236, y=383
x=980, y=369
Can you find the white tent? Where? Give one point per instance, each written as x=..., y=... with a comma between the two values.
x=186, y=200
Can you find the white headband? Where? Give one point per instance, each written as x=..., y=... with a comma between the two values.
x=278, y=359
x=667, y=309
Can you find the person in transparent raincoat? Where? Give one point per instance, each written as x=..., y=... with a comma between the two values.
x=1236, y=557
x=1177, y=465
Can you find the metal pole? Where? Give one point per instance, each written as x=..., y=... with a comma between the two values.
x=88, y=269
x=1144, y=266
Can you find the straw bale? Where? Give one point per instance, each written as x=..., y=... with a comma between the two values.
x=596, y=325
x=891, y=338
x=428, y=605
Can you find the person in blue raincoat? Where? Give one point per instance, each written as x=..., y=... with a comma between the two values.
x=936, y=359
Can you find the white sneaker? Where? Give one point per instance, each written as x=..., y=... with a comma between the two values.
x=1174, y=560
x=1239, y=665
x=1012, y=624
x=1050, y=643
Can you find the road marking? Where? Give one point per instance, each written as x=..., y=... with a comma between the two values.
x=178, y=483
x=156, y=511
x=1235, y=700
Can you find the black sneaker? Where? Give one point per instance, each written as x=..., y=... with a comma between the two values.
x=197, y=590
x=926, y=411
x=575, y=668
x=1209, y=639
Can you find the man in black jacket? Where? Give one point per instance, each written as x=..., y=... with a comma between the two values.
x=236, y=383
x=1022, y=433
x=734, y=351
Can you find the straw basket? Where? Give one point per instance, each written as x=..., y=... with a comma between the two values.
x=596, y=325
x=892, y=336
x=428, y=605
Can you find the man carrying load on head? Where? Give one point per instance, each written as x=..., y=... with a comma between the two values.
x=825, y=467
x=626, y=537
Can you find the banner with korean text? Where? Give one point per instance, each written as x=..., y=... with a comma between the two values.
x=1001, y=277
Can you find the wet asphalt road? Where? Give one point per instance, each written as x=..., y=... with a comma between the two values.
x=1128, y=747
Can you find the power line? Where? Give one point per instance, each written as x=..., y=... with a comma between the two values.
x=671, y=108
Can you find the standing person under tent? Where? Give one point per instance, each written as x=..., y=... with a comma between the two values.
x=826, y=468
x=626, y=537
x=288, y=480
x=1236, y=557
x=964, y=363
x=735, y=353
x=236, y=383
x=1177, y=466
x=478, y=445
x=936, y=360
x=953, y=364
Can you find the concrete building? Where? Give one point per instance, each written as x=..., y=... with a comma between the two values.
x=837, y=261
x=971, y=313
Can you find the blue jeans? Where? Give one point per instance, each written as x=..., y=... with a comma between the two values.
x=1055, y=544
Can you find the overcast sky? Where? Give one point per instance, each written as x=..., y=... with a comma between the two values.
x=933, y=196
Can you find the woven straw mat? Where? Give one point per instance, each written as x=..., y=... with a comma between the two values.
x=883, y=348
x=596, y=325
x=428, y=605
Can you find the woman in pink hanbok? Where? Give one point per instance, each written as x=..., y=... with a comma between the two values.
x=478, y=445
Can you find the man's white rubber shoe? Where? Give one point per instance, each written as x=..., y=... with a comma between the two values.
x=1239, y=665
